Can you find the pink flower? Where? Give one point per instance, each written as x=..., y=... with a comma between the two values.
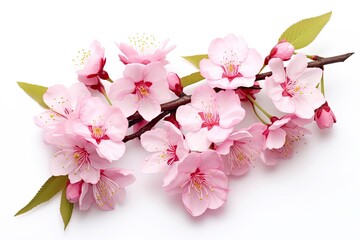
x=281, y=137
x=324, y=116
x=92, y=62
x=283, y=50
x=200, y=180
x=241, y=149
x=175, y=83
x=63, y=105
x=231, y=63
x=168, y=145
x=144, y=49
x=76, y=158
x=109, y=190
x=210, y=117
x=142, y=89
x=103, y=126
x=294, y=90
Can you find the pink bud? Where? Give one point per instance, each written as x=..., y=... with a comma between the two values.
x=283, y=50
x=73, y=191
x=324, y=116
x=174, y=83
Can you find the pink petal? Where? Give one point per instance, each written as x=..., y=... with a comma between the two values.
x=303, y=108
x=278, y=72
x=149, y=108
x=193, y=204
x=173, y=181
x=111, y=150
x=155, y=140
x=198, y=141
x=86, y=197
x=241, y=82
x=229, y=107
x=160, y=90
x=135, y=72
x=252, y=64
x=220, y=83
x=218, y=134
x=273, y=89
x=285, y=104
x=203, y=96
x=127, y=49
x=116, y=124
x=92, y=111
x=276, y=139
x=220, y=184
x=189, y=118
x=210, y=160
x=128, y=105
x=48, y=120
x=155, y=72
x=190, y=163
x=224, y=147
x=311, y=77
x=58, y=99
x=209, y=70
x=156, y=162
x=62, y=163
x=296, y=66
x=121, y=88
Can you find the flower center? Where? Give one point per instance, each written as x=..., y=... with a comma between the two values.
x=292, y=87
x=199, y=184
x=230, y=64
x=81, y=58
x=144, y=43
x=98, y=133
x=104, y=191
x=241, y=154
x=142, y=89
x=210, y=119
x=81, y=157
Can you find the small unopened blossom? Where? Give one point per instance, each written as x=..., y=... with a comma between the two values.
x=294, y=90
x=64, y=104
x=144, y=49
x=143, y=88
x=283, y=50
x=324, y=116
x=210, y=117
x=73, y=191
x=92, y=64
x=231, y=63
x=175, y=83
x=281, y=138
x=103, y=126
x=201, y=181
x=241, y=149
x=168, y=146
x=76, y=158
x=109, y=190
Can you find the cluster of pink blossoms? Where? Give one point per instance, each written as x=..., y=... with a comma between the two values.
x=200, y=144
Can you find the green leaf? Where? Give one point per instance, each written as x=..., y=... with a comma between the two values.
x=66, y=208
x=305, y=31
x=36, y=92
x=195, y=59
x=191, y=79
x=50, y=188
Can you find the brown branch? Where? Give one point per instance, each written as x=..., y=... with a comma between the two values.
x=147, y=127
x=185, y=99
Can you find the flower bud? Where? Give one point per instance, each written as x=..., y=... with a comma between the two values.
x=324, y=116
x=73, y=191
x=283, y=50
x=174, y=83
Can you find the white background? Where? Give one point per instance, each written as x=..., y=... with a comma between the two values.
x=315, y=195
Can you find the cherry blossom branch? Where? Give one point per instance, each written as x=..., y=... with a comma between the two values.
x=166, y=108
